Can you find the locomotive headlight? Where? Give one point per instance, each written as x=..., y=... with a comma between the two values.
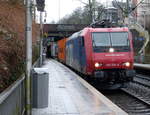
x=98, y=64
x=111, y=50
x=127, y=64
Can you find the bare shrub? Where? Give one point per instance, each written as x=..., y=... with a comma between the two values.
x=12, y=50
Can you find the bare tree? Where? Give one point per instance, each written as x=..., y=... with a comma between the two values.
x=93, y=8
x=85, y=15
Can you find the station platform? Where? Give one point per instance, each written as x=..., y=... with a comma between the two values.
x=142, y=66
x=71, y=95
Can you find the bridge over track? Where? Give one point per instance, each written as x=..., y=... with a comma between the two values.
x=58, y=31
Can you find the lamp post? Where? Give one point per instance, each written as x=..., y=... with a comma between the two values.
x=128, y=8
x=126, y=20
x=28, y=35
x=41, y=38
x=40, y=7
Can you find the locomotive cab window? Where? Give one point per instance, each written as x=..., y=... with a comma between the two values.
x=102, y=41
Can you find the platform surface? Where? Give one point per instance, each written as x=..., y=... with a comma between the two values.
x=71, y=95
x=144, y=66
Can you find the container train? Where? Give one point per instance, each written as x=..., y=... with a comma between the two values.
x=101, y=54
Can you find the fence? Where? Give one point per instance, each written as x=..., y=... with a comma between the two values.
x=12, y=99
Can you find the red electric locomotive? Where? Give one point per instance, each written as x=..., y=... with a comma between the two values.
x=104, y=54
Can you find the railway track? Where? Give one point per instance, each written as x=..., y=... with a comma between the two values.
x=135, y=99
x=145, y=100
x=129, y=103
x=142, y=79
x=140, y=88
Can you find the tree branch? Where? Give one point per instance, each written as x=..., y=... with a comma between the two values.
x=120, y=7
x=136, y=6
x=83, y=2
x=131, y=9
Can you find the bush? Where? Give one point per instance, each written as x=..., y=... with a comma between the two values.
x=11, y=61
x=13, y=2
x=12, y=41
x=35, y=53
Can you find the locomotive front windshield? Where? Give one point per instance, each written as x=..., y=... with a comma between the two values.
x=102, y=41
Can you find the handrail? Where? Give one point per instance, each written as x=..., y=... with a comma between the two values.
x=10, y=89
x=135, y=25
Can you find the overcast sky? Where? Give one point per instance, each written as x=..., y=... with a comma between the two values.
x=56, y=9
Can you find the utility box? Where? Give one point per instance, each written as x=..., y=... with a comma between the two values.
x=40, y=82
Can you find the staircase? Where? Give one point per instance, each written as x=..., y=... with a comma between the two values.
x=134, y=25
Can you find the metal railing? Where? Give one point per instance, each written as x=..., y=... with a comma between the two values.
x=133, y=24
x=12, y=99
